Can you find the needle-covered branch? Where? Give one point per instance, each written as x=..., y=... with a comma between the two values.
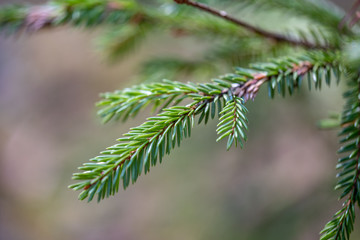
x=119, y=13
x=128, y=21
x=349, y=165
x=134, y=20
x=143, y=146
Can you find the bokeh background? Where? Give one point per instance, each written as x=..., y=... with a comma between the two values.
x=279, y=187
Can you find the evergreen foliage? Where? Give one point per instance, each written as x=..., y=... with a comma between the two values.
x=326, y=52
x=349, y=182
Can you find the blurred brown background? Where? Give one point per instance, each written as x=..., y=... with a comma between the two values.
x=279, y=187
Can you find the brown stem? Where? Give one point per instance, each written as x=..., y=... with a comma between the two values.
x=355, y=19
x=249, y=89
x=349, y=14
x=274, y=36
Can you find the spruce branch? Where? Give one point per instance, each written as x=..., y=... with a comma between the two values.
x=270, y=35
x=349, y=176
x=143, y=145
x=91, y=13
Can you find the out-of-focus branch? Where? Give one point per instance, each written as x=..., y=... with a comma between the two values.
x=34, y=18
x=351, y=14
x=271, y=35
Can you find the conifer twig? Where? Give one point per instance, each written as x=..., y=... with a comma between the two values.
x=342, y=224
x=270, y=35
x=147, y=144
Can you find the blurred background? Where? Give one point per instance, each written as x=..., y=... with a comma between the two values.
x=279, y=187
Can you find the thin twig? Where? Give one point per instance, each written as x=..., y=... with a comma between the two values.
x=355, y=19
x=349, y=14
x=275, y=36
